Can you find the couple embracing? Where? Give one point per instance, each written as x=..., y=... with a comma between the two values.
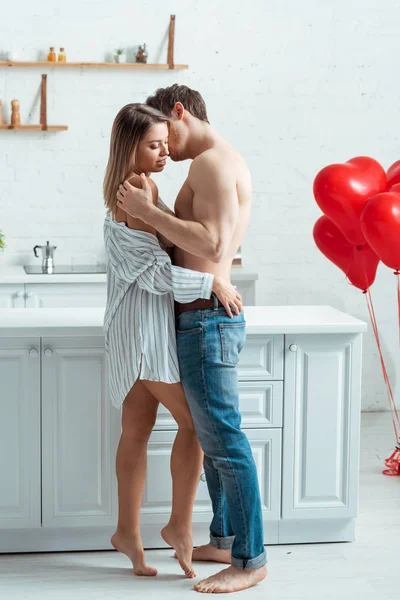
x=174, y=328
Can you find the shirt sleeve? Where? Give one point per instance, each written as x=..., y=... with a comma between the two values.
x=153, y=271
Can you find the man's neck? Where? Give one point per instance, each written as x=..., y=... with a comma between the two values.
x=201, y=138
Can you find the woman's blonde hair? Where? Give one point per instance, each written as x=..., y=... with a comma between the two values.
x=130, y=125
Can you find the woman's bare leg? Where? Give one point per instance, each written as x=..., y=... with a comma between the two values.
x=186, y=465
x=139, y=412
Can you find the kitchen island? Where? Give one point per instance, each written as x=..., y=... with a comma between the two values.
x=300, y=387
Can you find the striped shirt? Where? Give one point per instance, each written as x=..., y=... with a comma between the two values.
x=139, y=320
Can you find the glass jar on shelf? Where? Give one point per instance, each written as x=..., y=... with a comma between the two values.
x=51, y=57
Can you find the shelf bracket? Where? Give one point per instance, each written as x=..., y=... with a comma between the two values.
x=43, y=103
x=171, y=41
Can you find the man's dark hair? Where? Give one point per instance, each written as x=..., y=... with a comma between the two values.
x=165, y=98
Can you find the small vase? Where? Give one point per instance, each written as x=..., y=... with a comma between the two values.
x=119, y=58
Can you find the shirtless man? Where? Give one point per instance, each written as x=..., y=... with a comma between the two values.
x=212, y=212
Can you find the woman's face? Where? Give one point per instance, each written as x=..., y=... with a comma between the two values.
x=152, y=150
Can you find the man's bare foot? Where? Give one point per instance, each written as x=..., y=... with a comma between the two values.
x=181, y=542
x=231, y=579
x=132, y=547
x=211, y=553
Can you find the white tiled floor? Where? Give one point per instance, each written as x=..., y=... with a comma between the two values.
x=365, y=570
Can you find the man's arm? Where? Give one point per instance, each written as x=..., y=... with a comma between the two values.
x=165, y=241
x=215, y=206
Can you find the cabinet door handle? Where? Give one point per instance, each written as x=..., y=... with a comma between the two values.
x=33, y=352
x=48, y=352
x=203, y=477
x=293, y=347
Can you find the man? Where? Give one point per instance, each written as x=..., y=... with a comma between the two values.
x=212, y=212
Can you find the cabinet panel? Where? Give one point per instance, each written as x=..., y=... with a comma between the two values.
x=19, y=432
x=157, y=497
x=261, y=358
x=59, y=295
x=322, y=419
x=80, y=433
x=260, y=405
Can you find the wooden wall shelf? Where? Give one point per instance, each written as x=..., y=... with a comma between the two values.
x=43, y=126
x=170, y=65
x=82, y=65
x=35, y=127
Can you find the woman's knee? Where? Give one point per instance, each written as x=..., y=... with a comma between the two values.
x=138, y=426
x=184, y=420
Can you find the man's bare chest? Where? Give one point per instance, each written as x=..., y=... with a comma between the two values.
x=184, y=203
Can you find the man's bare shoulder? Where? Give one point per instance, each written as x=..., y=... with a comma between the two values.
x=211, y=163
x=221, y=159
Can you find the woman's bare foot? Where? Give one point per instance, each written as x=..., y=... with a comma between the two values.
x=133, y=549
x=211, y=553
x=231, y=579
x=181, y=542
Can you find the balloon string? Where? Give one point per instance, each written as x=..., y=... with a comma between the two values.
x=392, y=404
x=397, y=273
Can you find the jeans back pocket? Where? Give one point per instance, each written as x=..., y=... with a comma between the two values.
x=233, y=337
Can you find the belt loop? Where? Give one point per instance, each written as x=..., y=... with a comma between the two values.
x=215, y=302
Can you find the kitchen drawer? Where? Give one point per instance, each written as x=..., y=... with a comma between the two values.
x=266, y=445
x=261, y=405
x=261, y=358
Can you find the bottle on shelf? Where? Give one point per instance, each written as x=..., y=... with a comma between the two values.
x=52, y=55
x=62, y=56
x=15, y=114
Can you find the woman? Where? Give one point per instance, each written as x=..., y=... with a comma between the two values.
x=139, y=327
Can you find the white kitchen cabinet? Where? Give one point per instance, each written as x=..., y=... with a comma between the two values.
x=80, y=432
x=321, y=433
x=59, y=295
x=12, y=296
x=299, y=385
x=20, y=496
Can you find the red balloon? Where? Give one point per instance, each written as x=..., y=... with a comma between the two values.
x=359, y=263
x=342, y=191
x=393, y=174
x=380, y=223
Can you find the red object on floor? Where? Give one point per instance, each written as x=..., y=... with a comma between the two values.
x=393, y=462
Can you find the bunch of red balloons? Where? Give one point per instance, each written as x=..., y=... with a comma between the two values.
x=361, y=221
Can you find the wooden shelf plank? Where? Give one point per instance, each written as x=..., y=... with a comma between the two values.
x=83, y=65
x=34, y=128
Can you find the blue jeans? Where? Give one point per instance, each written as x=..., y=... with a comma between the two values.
x=209, y=344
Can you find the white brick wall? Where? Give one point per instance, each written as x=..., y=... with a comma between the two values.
x=293, y=85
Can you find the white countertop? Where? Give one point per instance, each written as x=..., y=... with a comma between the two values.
x=260, y=319
x=16, y=275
